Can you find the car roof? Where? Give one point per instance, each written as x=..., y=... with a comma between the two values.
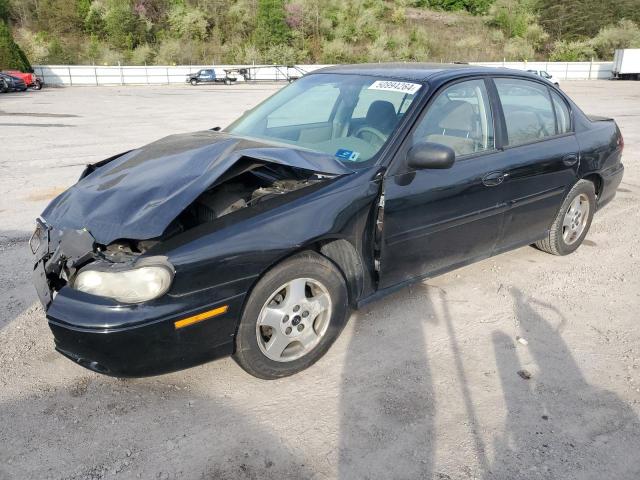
x=416, y=72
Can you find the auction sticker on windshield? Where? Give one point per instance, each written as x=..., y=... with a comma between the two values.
x=393, y=86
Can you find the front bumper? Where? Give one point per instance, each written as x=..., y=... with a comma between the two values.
x=130, y=339
x=139, y=340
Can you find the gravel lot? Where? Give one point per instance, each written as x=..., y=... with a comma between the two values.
x=422, y=384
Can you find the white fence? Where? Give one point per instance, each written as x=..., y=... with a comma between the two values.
x=562, y=70
x=69, y=75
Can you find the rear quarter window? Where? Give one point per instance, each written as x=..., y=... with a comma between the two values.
x=563, y=115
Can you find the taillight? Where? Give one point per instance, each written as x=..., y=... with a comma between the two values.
x=620, y=141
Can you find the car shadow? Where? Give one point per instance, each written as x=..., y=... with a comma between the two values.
x=557, y=424
x=387, y=403
x=99, y=427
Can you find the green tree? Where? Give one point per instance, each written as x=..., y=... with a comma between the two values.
x=82, y=7
x=512, y=17
x=575, y=19
x=186, y=22
x=94, y=21
x=271, y=28
x=572, y=51
x=11, y=56
x=625, y=34
x=59, y=16
x=123, y=28
x=477, y=7
x=4, y=10
x=60, y=54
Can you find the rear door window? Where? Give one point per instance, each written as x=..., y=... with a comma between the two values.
x=528, y=111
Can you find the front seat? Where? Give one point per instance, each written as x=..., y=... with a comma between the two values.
x=456, y=129
x=382, y=116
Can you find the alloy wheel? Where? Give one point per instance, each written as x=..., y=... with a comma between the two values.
x=575, y=220
x=294, y=319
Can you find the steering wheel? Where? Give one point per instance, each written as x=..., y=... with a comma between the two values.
x=377, y=134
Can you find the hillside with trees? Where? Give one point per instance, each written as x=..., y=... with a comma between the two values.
x=312, y=31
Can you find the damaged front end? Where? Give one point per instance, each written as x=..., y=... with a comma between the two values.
x=100, y=229
x=144, y=245
x=247, y=185
x=58, y=256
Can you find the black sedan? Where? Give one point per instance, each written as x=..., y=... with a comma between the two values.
x=258, y=240
x=9, y=83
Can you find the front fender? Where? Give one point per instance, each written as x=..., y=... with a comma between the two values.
x=245, y=246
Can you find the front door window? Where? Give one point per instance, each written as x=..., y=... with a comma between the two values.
x=460, y=118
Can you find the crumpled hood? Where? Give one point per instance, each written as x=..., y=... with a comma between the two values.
x=138, y=194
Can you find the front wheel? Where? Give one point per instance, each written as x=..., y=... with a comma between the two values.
x=293, y=315
x=572, y=221
x=194, y=82
x=37, y=85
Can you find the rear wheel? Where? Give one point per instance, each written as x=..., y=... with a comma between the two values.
x=572, y=221
x=37, y=85
x=4, y=88
x=294, y=314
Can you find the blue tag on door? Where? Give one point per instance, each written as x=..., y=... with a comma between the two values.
x=349, y=155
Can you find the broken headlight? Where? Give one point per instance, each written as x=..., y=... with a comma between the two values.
x=133, y=285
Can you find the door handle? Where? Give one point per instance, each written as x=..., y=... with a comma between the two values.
x=494, y=178
x=570, y=159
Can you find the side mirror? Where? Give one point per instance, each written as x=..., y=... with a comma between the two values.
x=430, y=155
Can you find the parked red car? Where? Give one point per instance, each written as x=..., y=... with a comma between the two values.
x=31, y=79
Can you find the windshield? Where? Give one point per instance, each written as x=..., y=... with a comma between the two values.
x=347, y=116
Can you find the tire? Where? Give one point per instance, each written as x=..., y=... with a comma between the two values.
x=227, y=81
x=37, y=85
x=563, y=239
x=273, y=301
x=4, y=88
x=193, y=82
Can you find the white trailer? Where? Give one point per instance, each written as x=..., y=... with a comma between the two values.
x=626, y=64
